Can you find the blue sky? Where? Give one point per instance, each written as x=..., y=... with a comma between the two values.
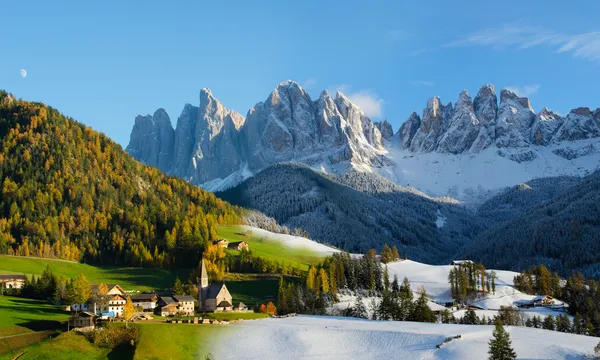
x=105, y=62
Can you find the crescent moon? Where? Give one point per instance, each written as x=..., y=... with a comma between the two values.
x=23, y=73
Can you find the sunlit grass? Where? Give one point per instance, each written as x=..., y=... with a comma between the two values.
x=271, y=248
x=129, y=278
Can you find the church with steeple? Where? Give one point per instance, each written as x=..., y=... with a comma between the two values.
x=215, y=297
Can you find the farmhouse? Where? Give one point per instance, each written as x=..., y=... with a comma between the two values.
x=221, y=243
x=461, y=262
x=167, y=306
x=239, y=245
x=146, y=301
x=115, y=305
x=12, y=281
x=84, y=319
x=541, y=300
x=112, y=305
x=185, y=304
x=212, y=298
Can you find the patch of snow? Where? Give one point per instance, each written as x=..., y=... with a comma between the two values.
x=322, y=337
x=441, y=219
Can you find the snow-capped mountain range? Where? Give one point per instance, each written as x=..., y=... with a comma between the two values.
x=463, y=149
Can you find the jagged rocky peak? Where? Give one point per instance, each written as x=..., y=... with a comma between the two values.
x=213, y=115
x=408, y=130
x=579, y=124
x=362, y=127
x=548, y=115
x=329, y=119
x=486, y=104
x=544, y=127
x=514, y=120
x=151, y=140
x=385, y=128
x=434, y=120
x=463, y=127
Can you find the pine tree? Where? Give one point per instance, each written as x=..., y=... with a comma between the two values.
x=578, y=324
x=500, y=344
x=548, y=323
x=421, y=311
x=395, y=285
x=395, y=255
x=178, y=288
x=386, y=254
x=360, y=310
x=282, y=301
x=386, y=279
x=470, y=317
x=311, y=278
x=323, y=281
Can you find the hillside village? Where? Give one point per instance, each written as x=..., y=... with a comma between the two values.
x=110, y=301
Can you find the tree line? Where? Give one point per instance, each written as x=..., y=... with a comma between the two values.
x=468, y=279
x=582, y=295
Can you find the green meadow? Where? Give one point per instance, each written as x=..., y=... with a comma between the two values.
x=272, y=249
x=19, y=315
x=129, y=278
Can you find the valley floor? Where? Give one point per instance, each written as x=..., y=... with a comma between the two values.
x=320, y=337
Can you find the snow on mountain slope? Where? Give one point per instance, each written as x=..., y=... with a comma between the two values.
x=292, y=241
x=469, y=177
x=320, y=337
x=465, y=150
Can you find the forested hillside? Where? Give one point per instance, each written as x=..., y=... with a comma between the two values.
x=561, y=231
x=425, y=228
x=70, y=192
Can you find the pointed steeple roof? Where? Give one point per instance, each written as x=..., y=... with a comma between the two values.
x=203, y=273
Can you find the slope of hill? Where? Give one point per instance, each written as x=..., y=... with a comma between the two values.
x=293, y=250
x=562, y=232
x=322, y=337
x=330, y=212
x=70, y=192
x=130, y=278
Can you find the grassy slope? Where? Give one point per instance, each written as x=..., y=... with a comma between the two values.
x=177, y=341
x=67, y=346
x=128, y=277
x=272, y=249
x=19, y=315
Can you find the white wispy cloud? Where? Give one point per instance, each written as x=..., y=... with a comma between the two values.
x=309, y=83
x=584, y=45
x=525, y=90
x=368, y=100
x=422, y=82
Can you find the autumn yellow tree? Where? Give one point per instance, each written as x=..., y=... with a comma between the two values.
x=212, y=256
x=128, y=310
x=323, y=280
x=310, y=278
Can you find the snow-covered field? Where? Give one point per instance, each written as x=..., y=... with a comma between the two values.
x=434, y=278
x=321, y=337
x=291, y=241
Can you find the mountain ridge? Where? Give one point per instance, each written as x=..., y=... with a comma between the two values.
x=217, y=148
